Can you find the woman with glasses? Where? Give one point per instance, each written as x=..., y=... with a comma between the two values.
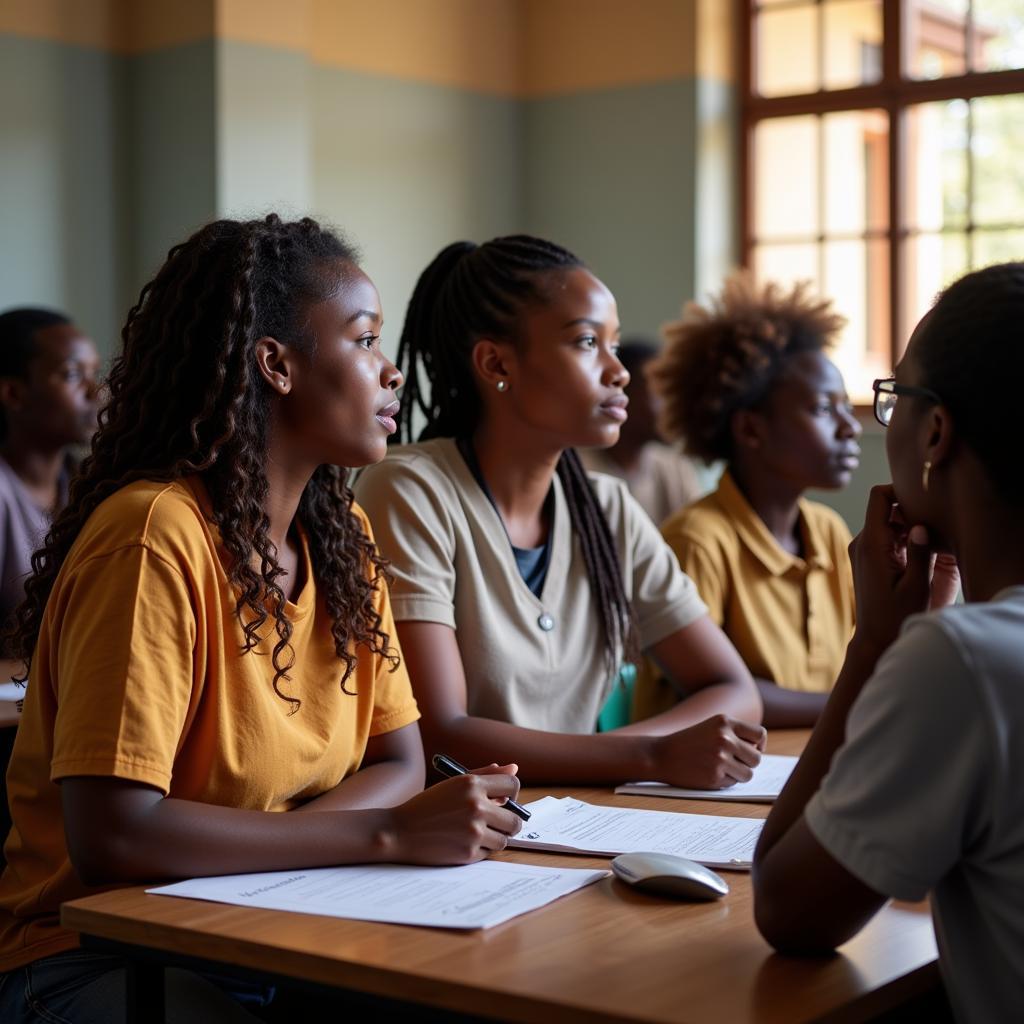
x=912, y=781
x=748, y=382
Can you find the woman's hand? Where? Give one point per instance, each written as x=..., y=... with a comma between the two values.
x=715, y=753
x=458, y=821
x=896, y=571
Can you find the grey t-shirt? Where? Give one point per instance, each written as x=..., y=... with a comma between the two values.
x=927, y=793
x=23, y=526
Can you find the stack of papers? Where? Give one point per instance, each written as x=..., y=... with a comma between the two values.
x=769, y=777
x=572, y=826
x=471, y=896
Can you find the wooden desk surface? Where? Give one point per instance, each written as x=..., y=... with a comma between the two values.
x=605, y=954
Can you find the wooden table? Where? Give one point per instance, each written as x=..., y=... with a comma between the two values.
x=604, y=954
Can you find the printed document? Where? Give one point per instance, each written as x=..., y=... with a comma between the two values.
x=769, y=778
x=469, y=896
x=572, y=826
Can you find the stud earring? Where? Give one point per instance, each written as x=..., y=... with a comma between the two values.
x=925, y=474
x=502, y=385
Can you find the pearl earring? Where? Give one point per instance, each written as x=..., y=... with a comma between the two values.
x=502, y=385
x=925, y=474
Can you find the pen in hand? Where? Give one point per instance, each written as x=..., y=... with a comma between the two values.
x=450, y=769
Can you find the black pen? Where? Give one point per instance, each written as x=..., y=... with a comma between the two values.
x=450, y=769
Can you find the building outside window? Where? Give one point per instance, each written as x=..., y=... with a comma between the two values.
x=881, y=155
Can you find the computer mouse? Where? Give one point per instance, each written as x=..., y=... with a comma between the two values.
x=665, y=874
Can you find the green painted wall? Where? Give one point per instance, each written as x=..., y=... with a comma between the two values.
x=62, y=181
x=105, y=161
x=405, y=168
x=611, y=174
x=170, y=150
x=264, y=147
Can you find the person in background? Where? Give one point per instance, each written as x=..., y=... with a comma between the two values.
x=214, y=684
x=913, y=780
x=659, y=476
x=747, y=380
x=521, y=585
x=48, y=402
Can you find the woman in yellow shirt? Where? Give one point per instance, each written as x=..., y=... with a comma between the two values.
x=747, y=381
x=208, y=629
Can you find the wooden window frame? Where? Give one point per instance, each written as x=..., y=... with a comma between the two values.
x=894, y=94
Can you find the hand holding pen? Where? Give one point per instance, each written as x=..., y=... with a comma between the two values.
x=460, y=820
x=450, y=769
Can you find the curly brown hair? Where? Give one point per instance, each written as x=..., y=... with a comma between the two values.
x=728, y=355
x=186, y=397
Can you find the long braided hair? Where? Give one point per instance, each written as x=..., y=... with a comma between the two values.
x=186, y=397
x=469, y=292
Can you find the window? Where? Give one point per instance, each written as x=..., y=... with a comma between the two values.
x=880, y=155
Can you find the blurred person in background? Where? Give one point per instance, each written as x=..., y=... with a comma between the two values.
x=658, y=475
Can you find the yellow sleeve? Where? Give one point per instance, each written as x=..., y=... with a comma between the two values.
x=124, y=667
x=706, y=570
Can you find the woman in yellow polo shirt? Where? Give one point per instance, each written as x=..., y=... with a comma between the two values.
x=747, y=381
x=210, y=636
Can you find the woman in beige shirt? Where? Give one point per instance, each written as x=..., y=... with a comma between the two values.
x=521, y=584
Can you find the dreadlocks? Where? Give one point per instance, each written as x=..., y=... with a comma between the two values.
x=186, y=397
x=469, y=292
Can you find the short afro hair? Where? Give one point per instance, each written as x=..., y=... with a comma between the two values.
x=728, y=355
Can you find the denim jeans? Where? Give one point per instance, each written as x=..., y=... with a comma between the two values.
x=79, y=987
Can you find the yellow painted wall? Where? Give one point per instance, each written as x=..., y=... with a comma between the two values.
x=579, y=45
x=527, y=48
x=122, y=26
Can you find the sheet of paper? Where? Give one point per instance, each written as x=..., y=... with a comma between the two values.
x=769, y=778
x=11, y=691
x=571, y=826
x=471, y=896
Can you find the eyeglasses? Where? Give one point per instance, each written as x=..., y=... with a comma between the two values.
x=887, y=391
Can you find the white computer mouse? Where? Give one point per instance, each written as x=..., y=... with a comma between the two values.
x=668, y=875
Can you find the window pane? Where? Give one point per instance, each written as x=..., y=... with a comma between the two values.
x=996, y=138
x=935, y=37
x=932, y=262
x=857, y=281
x=853, y=43
x=786, y=183
x=787, y=51
x=997, y=247
x=936, y=188
x=786, y=264
x=998, y=35
x=856, y=171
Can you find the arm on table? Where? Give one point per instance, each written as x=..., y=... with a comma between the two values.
x=789, y=709
x=123, y=831
x=804, y=899
x=704, y=665
x=709, y=754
